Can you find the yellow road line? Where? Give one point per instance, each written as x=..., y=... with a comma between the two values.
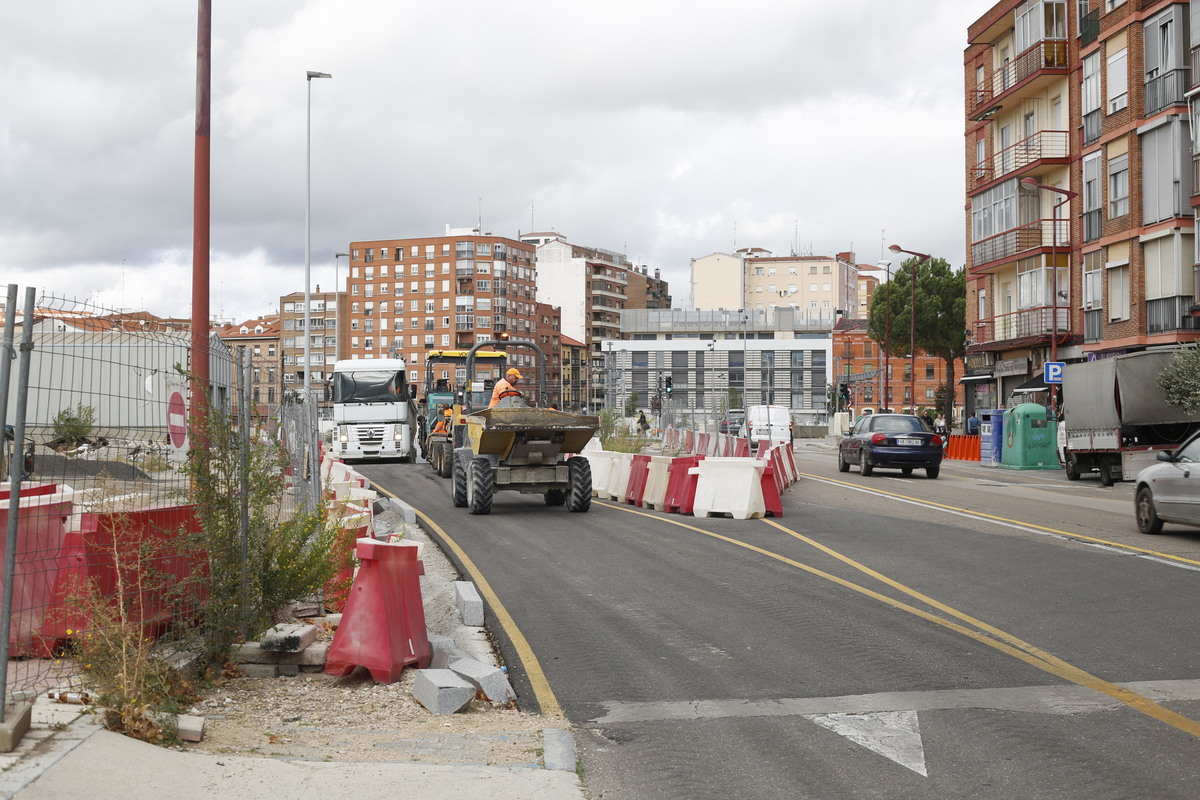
x=992, y=518
x=533, y=668
x=1007, y=643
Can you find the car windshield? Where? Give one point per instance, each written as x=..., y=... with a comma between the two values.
x=897, y=424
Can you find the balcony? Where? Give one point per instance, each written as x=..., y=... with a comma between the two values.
x=1089, y=27
x=1043, y=147
x=1166, y=90
x=1033, y=325
x=1007, y=245
x=1044, y=61
x=1168, y=314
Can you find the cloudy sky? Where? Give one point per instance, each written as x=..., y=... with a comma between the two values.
x=665, y=129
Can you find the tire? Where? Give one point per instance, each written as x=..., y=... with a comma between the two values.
x=434, y=458
x=864, y=465
x=1071, y=467
x=842, y=465
x=555, y=497
x=579, y=496
x=445, y=452
x=933, y=472
x=1107, y=476
x=481, y=483
x=1147, y=518
x=906, y=471
x=459, y=472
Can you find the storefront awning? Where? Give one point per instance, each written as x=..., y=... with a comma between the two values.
x=1032, y=385
x=970, y=378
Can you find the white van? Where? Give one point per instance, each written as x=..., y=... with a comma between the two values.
x=770, y=424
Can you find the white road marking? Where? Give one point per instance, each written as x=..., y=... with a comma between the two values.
x=892, y=734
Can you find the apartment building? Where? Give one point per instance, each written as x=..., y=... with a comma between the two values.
x=258, y=341
x=1081, y=188
x=576, y=374
x=407, y=296
x=754, y=278
x=319, y=326
x=866, y=380
x=548, y=338
x=647, y=291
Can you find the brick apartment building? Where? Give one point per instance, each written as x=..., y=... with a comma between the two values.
x=408, y=296
x=874, y=382
x=259, y=342
x=1081, y=186
x=324, y=348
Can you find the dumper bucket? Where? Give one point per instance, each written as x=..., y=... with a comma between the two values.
x=529, y=436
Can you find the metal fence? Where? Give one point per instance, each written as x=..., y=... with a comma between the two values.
x=97, y=502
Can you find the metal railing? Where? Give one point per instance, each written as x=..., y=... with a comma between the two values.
x=1028, y=323
x=1167, y=89
x=1008, y=244
x=1044, y=55
x=1038, y=147
x=1166, y=314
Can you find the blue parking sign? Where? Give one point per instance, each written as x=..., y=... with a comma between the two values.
x=1053, y=371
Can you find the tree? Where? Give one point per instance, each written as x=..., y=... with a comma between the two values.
x=631, y=404
x=941, y=316
x=1180, y=380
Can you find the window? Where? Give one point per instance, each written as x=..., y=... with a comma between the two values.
x=1091, y=182
x=1093, y=288
x=1118, y=186
x=1118, y=81
x=1091, y=83
x=1118, y=290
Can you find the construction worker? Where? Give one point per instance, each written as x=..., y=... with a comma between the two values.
x=442, y=427
x=506, y=386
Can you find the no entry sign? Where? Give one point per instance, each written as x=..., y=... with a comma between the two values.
x=177, y=431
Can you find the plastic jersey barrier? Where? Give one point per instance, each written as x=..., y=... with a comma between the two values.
x=741, y=448
x=618, y=479
x=655, y=495
x=383, y=626
x=639, y=472
x=770, y=493
x=729, y=486
x=601, y=462
x=681, y=484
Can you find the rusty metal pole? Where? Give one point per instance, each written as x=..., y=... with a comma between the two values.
x=200, y=225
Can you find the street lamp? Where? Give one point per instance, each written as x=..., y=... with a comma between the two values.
x=314, y=465
x=912, y=335
x=887, y=336
x=1067, y=195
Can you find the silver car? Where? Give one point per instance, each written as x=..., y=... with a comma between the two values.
x=1170, y=491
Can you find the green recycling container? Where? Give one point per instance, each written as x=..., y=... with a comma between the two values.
x=1030, y=438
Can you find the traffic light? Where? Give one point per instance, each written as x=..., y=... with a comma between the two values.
x=844, y=392
x=670, y=386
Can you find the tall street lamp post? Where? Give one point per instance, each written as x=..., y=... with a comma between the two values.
x=887, y=335
x=1067, y=196
x=314, y=465
x=912, y=335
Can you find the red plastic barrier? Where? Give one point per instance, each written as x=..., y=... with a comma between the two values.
x=790, y=458
x=31, y=490
x=681, y=485
x=383, y=626
x=688, y=441
x=963, y=448
x=354, y=527
x=639, y=471
x=741, y=448
x=141, y=551
x=770, y=493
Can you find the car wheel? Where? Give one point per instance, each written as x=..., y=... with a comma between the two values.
x=842, y=465
x=1147, y=518
x=906, y=471
x=933, y=472
x=864, y=464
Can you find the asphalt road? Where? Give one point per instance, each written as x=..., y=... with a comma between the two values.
x=989, y=634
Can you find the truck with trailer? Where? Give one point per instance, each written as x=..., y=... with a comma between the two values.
x=1115, y=419
x=374, y=410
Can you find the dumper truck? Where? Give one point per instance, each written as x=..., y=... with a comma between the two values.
x=521, y=445
x=449, y=391
x=1115, y=419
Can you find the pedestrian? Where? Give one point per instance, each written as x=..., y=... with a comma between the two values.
x=642, y=424
x=506, y=386
x=972, y=425
x=939, y=424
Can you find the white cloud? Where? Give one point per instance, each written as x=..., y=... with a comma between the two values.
x=659, y=129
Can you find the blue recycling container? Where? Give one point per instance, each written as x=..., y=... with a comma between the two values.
x=991, y=437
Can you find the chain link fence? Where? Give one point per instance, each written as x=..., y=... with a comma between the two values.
x=97, y=499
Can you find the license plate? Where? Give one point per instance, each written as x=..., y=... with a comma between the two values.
x=908, y=441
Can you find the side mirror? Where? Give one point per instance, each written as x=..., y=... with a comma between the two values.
x=845, y=433
x=1165, y=455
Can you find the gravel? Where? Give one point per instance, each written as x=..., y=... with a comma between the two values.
x=319, y=717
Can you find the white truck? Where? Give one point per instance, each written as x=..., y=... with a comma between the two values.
x=374, y=411
x=1115, y=418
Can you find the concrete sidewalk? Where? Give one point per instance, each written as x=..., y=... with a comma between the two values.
x=67, y=754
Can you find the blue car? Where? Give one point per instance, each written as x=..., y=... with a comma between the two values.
x=894, y=441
